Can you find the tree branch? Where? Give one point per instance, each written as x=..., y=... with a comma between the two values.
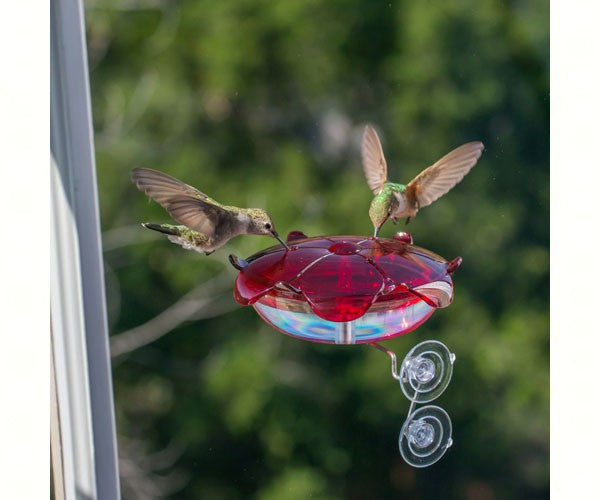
x=204, y=301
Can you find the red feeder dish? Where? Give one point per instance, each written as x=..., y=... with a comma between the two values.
x=345, y=289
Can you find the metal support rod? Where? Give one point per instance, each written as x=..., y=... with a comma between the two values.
x=392, y=355
x=395, y=373
x=345, y=333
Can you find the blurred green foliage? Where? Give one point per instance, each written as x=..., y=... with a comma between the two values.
x=262, y=103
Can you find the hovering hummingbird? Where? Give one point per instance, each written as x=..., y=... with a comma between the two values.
x=399, y=200
x=206, y=224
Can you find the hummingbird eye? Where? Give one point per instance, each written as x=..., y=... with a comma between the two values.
x=268, y=226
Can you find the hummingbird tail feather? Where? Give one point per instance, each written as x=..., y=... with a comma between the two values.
x=170, y=230
x=184, y=236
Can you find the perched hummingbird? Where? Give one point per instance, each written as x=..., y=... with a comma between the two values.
x=399, y=200
x=206, y=224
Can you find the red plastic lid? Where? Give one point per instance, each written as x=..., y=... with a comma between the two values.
x=340, y=277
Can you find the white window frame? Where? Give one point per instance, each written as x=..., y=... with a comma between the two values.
x=83, y=437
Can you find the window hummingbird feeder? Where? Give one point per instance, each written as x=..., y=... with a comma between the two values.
x=357, y=290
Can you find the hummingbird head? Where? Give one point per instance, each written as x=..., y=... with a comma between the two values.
x=260, y=223
x=381, y=210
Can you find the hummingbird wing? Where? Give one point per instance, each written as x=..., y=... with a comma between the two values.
x=373, y=161
x=198, y=214
x=436, y=180
x=162, y=187
x=186, y=204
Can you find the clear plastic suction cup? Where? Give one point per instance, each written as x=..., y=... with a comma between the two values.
x=425, y=436
x=424, y=375
x=426, y=371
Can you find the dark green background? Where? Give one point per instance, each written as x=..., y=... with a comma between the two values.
x=262, y=104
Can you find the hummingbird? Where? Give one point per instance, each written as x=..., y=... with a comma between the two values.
x=397, y=201
x=204, y=224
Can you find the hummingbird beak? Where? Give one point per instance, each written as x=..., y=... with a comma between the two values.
x=238, y=263
x=376, y=231
x=278, y=238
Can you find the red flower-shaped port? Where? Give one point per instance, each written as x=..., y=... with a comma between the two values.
x=345, y=289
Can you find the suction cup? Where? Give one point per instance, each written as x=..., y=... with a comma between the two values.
x=425, y=436
x=426, y=371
